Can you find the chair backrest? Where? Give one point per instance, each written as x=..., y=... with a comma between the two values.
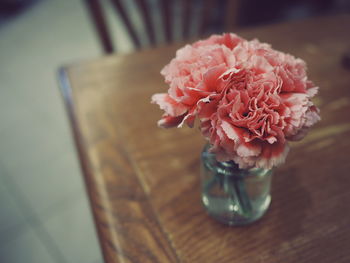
x=204, y=16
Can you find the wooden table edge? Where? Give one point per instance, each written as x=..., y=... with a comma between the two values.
x=85, y=166
x=86, y=170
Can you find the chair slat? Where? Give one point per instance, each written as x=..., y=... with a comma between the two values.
x=212, y=16
x=186, y=13
x=143, y=6
x=231, y=15
x=120, y=9
x=166, y=14
x=98, y=18
x=206, y=16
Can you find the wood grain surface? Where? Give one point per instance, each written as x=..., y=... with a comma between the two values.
x=143, y=181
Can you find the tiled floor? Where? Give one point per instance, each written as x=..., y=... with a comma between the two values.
x=44, y=213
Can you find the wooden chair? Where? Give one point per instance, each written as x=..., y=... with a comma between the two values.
x=213, y=17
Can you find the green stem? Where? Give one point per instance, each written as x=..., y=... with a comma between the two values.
x=242, y=196
x=234, y=186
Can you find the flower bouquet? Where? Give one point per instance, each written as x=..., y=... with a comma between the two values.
x=250, y=101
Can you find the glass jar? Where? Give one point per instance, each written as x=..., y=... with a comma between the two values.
x=231, y=195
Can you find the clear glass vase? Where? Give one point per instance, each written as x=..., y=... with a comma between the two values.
x=231, y=195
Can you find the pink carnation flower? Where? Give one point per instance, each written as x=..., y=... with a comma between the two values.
x=249, y=98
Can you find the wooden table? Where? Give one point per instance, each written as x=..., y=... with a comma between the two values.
x=143, y=181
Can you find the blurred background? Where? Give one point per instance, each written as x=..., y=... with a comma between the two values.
x=44, y=210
